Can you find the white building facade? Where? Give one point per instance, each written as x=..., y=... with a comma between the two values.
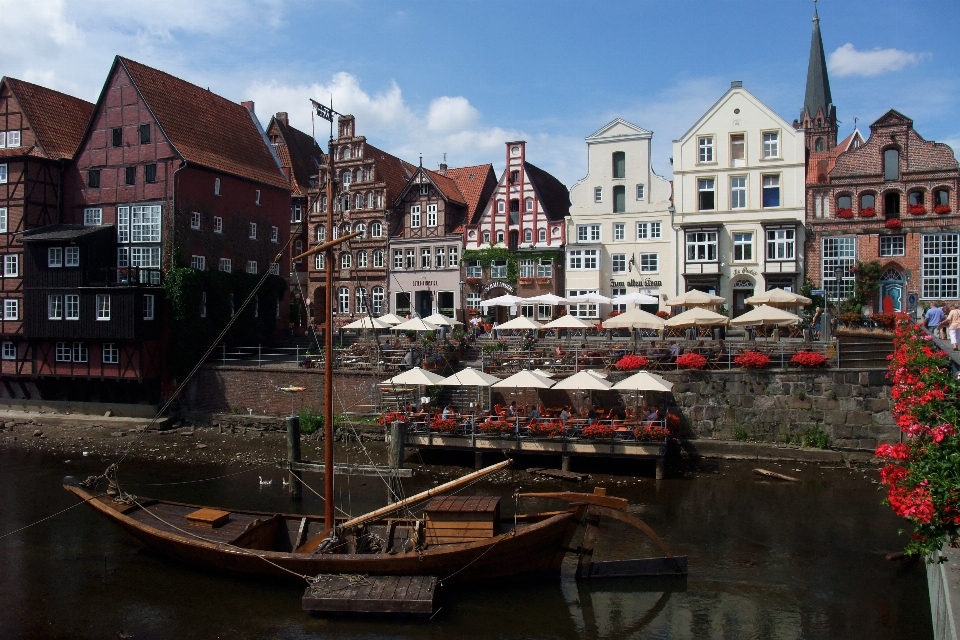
x=739, y=181
x=619, y=237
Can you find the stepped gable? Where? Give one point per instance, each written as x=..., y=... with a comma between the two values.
x=821, y=163
x=551, y=191
x=204, y=128
x=58, y=120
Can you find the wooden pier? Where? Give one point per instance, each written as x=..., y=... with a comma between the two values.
x=371, y=594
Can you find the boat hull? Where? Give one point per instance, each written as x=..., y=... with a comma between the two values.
x=538, y=547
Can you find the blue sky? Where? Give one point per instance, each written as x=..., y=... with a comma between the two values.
x=462, y=77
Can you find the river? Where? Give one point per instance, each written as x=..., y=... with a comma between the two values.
x=767, y=560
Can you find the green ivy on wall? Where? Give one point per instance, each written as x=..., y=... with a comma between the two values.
x=486, y=256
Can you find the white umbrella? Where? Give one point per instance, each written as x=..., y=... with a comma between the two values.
x=694, y=298
x=643, y=381
x=589, y=298
x=367, y=323
x=501, y=301
x=391, y=319
x=545, y=374
x=416, y=324
x=585, y=380
x=567, y=322
x=697, y=317
x=600, y=374
x=634, y=319
x=778, y=298
x=520, y=322
x=469, y=378
x=441, y=320
x=634, y=298
x=415, y=376
x=764, y=315
x=525, y=380
x=547, y=298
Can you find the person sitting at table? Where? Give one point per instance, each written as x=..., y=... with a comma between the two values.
x=592, y=415
x=674, y=350
x=534, y=413
x=719, y=349
x=619, y=410
x=447, y=412
x=564, y=416
x=512, y=410
x=386, y=345
x=652, y=414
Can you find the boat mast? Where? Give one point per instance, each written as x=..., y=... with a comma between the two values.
x=328, y=344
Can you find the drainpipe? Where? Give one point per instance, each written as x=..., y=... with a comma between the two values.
x=676, y=242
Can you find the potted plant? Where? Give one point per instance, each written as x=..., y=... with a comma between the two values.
x=893, y=223
x=691, y=361
x=752, y=360
x=632, y=363
x=809, y=360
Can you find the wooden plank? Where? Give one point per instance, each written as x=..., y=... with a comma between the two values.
x=588, y=498
x=642, y=567
x=208, y=517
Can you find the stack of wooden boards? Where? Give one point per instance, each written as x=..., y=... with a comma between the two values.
x=455, y=519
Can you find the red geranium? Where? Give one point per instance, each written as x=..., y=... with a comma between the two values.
x=631, y=363
x=651, y=433
x=917, y=209
x=942, y=208
x=868, y=212
x=885, y=320
x=673, y=422
x=893, y=223
x=443, y=426
x=752, y=360
x=691, y=361
x=546, y=429
x=844, y=212
x=495, y=426
x=663, y=314
x=599, y=430
x=809, y=359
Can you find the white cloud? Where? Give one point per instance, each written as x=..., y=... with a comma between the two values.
x=451, y=114
x=847, y=61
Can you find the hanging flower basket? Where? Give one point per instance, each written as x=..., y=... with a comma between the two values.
x=845, y=213
x=752, y=360
x=893, y=223
x=868, y=212
x=691, y=361
x=632, y=363
x=917, y=209
x=942, y=208
x=809, y=359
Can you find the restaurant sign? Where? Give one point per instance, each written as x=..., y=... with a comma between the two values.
x=637, y=283
x=493, y=285
x=424, y=283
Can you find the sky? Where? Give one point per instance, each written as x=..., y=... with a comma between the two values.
x=462, y=77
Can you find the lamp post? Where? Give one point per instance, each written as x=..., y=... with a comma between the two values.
x=463, y=305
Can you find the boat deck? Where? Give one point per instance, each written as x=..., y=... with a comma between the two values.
x=370, y=594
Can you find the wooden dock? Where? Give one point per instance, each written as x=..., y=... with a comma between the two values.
x=336, y=593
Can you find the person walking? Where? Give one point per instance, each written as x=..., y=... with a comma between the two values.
x=934, y=317
x=953, y=325
x=815, y=323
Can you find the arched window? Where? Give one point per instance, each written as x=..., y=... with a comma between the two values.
x=346, y=153
x=376, y=230
x=336, y=232
x=371, y=200
x=891, y=275
x=377, y=300
x=868, y=200
x=359, y=175
x=361, y=259
x=378, y=258
x=362, y=230
x=916, y=198
x=345, y=229
x=358, y=201
x=891, y=164
x=345, y=260
x=844, y=206
x=321, y=233
x=619, y=165
x=527, y=235
x=343, y=299
x=347, y=177
x=941, y=201
x=528, y=205
x=499, y=236
x=891, y=204
x=345, y=204
x=361, y=300
x=818, y=144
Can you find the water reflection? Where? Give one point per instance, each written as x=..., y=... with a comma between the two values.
x=767, y=560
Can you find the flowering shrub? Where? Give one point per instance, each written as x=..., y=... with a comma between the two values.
x=942, y=208
x=893, y=223
x=494, y=427
x=443, y=426
x=631, y=363
x=691, y=361
x=389, y=417
x=851, y=319
x=917, y=209
x=809, y=359
x=885, y=320
x=663, y=314
x=651, y=433
x=868, y=212
x=920, y=475
x=598, y=430
x=546, y=429
x=752, y=360
x=845, y=212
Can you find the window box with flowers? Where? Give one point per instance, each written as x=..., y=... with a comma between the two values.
x=752, y=360
x=526, y=280
x=845, y=213
x=809, y=360
x=942, y=208
x=632, y=363
x=663, y=314
x=543, y=280
x=473, y=310
x=868, y=212
x=651, y=434
x=691, y=361
x=599, y=431
x=473, y=281
x=917, y=209
x=893, y=223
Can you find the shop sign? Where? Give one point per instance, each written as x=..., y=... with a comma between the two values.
x=636, y=283
x=425, y=283
x=493, y=285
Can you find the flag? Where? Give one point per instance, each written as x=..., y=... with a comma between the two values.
x=323, y=111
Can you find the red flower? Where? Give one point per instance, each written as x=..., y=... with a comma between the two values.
x=868, y=212
x=893, y=223
x=942, y=208
x=691, y=361
x=809, y=359
x=752, y=360
x=917, y=209
x=546, y=429
x=663, y=314
x=673, y=421
x=898, y=451
x=631, y=363
x=598, y=430
x=844, y=212
x=651, y=433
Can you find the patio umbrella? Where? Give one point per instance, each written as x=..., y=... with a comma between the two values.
x=545, y=374
x=416, y=324
x=589, y=298
x=415, y=376
x=568, y=322
x=696, y=317
x=603, y=375
x=547, y=298
x=584, y=381
x=643, y=381
x=391, y=319
x=441, y=320
x=634, y=298
x=778, y=298
x=634, y=319
x=524, y=380
x=694, y=298
x=469, y=377
x=502, y=301
x=765, y=315
x=367, y=323
x=520, y=322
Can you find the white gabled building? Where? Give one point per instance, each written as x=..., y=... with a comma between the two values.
x=619, y=237
x=739, y=194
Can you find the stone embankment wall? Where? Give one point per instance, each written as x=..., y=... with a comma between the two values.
x=852, y=407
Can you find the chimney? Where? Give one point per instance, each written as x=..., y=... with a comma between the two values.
x=443, y=169
x=736, y=84
x=282, y=117
x=248, y=105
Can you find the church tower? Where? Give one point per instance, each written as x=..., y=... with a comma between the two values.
x=818, y=118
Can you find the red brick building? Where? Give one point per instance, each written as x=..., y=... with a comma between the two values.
x=367, y=183
x=891, y=198
x=40, y=130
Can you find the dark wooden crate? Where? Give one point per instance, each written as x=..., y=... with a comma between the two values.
x=371, y=594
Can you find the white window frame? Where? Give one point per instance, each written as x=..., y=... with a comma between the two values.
x=343, y=300
x=149, y=306
x=54, y=257
x=440, y=257
x=71, y=306
x=769, y=182
x=453, y=256
x=498, y=269
x=92, y=217
x=319, y=262
x=216, y=186
x=378, y=258
x=145, y=223
x=11, y=265
x=432, y=215
x=940, y=265
x=194, y=219
x=583, y=259
x=80, y=352
x=545, y=268
x=13, y=139
x=705, y=149
x=9, y=351
x=103, y=307
x=63, y=352
x=11, y=309
x=377, y=298
x=705, y=239
x=4, y=173
x=838, y=251
x=256, y=197
x=589, y=233
x=217, y=224
x=376, y=230
x=226, y=265
x=541, y=235
x=771, y=145
x=619, y=231
x=109, y=353
x=398, y=258
x=738, y=192
x=781, y=245
x=473, y=300
x=361, y=259
x=649, y=262
x=649, y=230
x=743, y=240
x=527, y=268
x=252, y=231
x=501, y=206
x=3, y=220
x=252, y=267
x=71, y=256
x=598, y=194
x=55, y=306
x=274, y=235
x=641, y=191
x=198, y=262
x=583, y=310
x=618, y=263
x=895, y=246
x=346, y=260
x=707, y=185
x=415, y=216
x=474, y=270
x=425, y=257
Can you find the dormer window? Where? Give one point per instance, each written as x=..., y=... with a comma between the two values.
x=425, y=189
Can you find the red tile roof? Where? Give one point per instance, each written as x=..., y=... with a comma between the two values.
x=476, y=183
x=821, y=163
x=204, y=128
x=58, y=120
x=390, y=169
x=299, y=151
x=447, y=186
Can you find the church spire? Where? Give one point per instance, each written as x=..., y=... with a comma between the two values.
x=818, y=111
